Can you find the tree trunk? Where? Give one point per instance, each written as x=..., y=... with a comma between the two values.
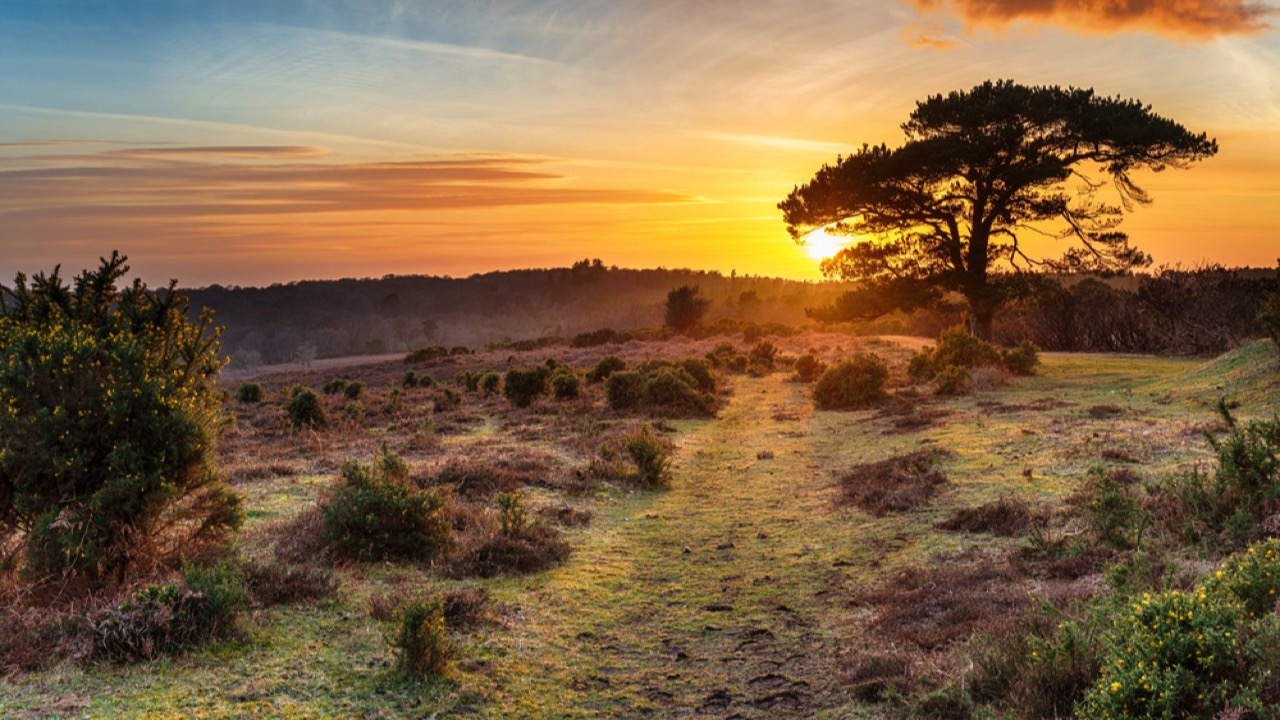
x=981, y=313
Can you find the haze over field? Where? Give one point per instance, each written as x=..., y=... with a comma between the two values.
x=249, y=143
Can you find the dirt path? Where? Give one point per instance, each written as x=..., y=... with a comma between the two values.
x=713, y=598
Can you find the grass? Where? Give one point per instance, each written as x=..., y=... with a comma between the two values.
x=727, y=593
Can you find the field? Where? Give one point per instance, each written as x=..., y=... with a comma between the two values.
x=750, y=588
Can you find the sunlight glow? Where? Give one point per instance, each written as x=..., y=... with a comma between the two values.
x=820, y=245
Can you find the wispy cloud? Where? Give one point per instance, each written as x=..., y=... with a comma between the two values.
x=779, y=142
x=243, y=152
x=1188, y=19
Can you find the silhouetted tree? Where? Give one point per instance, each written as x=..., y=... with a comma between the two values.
x=685, y=308
x=979, y=171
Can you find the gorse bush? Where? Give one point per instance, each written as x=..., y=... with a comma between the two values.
x=565, y=385
x=353, y=390
x=373, y=513
x=664, y=387
x=490, y=383
x=521, y=387
x=652, y=457
x=334, y=386
x=808, y=368
x=608, y=365
x=421, y=641
x=108, y=425
x=305, y=409
x=1227, y=505
x=763, y=355
x=250, y=392
x=511, y=513
x=855, y=383
x=957, y=348
x=1269, y=317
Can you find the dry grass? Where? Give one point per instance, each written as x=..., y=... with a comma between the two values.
x=895, y=485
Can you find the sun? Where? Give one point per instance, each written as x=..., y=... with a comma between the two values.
x=819, y=245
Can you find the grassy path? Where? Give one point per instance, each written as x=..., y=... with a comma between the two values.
x=713, y=598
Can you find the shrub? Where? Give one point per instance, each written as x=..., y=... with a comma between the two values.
x=1006, y=517
x=697, y=369
x=763, y=354
x=521, y=387
x=171, y=618
x=109, y=428
x=353, y=390
x=250, y=392
x=624, y=389
x=1021, y=360
x=608, y=365
x=426, y=381
x=490, y=383
x=722, y=354
x=421, y=642
x=951, y=380
x=374, y=514
x=565, y=385
x=465, y=608
x=334, y=386
x=426, y=354
x=1251, y=578
x=1229, y=504
x=672, y=390
x=354, y=412
x=652, y=457
x=1114, y=514
x=305, y=409
x=854, y=383
x=511, y=513
x=410, y=379
x=808, y=368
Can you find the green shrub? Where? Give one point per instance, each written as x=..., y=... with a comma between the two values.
x=607, y=365
x=854, y=383
x=373, y=513
x=722, y=354
x=511, y=513
x=250, y=392
x=951, y=380
x=1251, y=578
x=426, y=381
x=354, y=411
x=421, y=643
x=426, y=354
x=410, y=379
x=1113, y=512
x=1227, y=505
x=697, y=369
x=490, y=383
x=468, y=380
x=624, y=389
x=1021, y=360
x=353, y=390
x=334, y=386
x=521, y=387
x=565, y=385
x=672, y=390
x=808, y=368
x=171, y=618
x=305, y=409
x=652, y=457
x=957, y=348
x=109, y=426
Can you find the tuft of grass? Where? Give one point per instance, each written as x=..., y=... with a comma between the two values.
x=893, y=485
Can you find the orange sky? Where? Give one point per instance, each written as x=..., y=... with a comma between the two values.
x=238, y=144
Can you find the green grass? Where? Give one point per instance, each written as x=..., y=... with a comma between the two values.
x=634, y=625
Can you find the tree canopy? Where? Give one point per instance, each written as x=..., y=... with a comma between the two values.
x=980, y=172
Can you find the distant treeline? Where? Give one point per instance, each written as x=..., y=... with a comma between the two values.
x=1203, y=311
x=334, y=318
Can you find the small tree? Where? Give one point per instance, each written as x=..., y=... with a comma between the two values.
x=108, y=425
x=685, y=308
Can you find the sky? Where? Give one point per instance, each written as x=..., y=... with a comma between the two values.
x=247, y=143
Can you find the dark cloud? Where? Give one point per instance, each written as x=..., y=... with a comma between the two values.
x=1195, y=19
